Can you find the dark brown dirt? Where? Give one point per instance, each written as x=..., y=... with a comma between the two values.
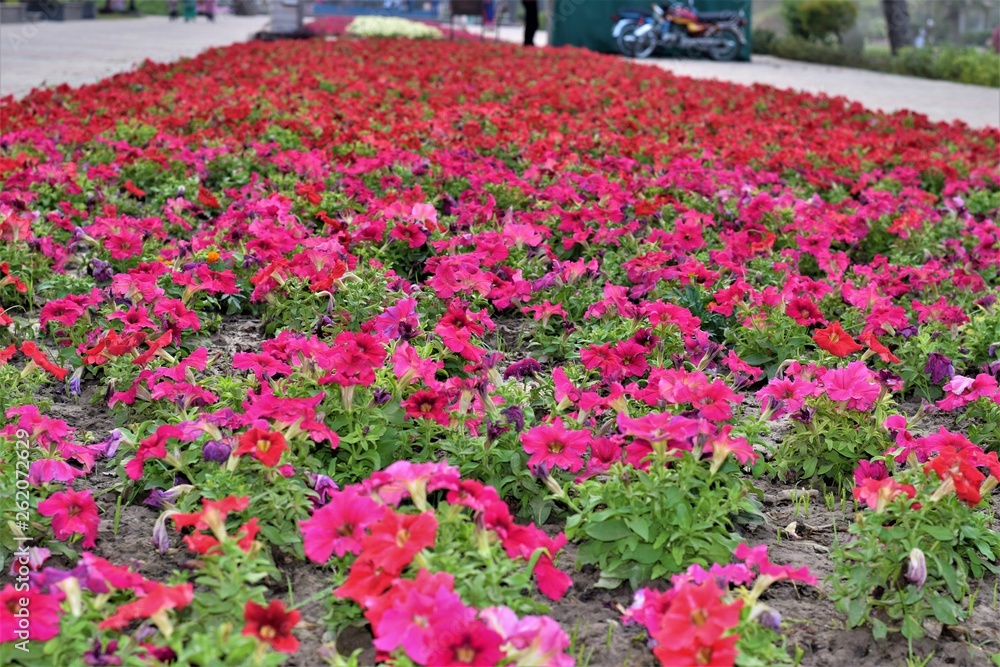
x=592, y=617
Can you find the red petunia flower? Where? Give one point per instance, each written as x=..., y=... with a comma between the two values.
x=10, y=279
x=955, y=466
x=427, y=404
x=365, y=581
x=877, y=493
x=29, y=349
x=134, y=189
x=8, y=352
x=396, y=538
x=697, y=617
x=720, y=653
x=836, y=341
x=265, y=446
x=154, y=604
x=876, y=346
x=272, y=624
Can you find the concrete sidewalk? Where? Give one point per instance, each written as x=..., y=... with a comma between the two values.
x=79, y=52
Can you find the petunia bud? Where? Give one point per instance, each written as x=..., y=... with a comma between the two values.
x=381, y=396
x=939, y=367
x=322, y=485
x=770, y=618
x=916, y=571
x=216, y=451
x=161, y=537
x=515, y=417
x=74, y=596
x=111, y=444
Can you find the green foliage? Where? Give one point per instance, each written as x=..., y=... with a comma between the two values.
x=870, y=583
x=636, y=525
x=829, y=446
x=762, y=40
x=202, y=633
x=759, y=646
x=820, y=19
x=965, y=65
x=484, y=575
x=949, y=63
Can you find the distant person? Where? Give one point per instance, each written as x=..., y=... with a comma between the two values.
x=208, y=9
x=530, y=21
x=190, y=8
x=995, y=39
x=172, y=9
x=921, y=39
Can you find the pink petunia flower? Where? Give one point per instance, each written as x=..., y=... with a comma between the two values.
x=72, y=512
x=555, y=446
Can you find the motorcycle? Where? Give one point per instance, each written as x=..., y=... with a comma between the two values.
x=626, y=21
x=719, y=35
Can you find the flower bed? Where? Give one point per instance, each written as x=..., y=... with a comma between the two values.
x=449, y=353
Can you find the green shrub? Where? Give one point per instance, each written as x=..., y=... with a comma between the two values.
x=976, y=37
x=793, y=18
x=761, y=40
x=822, y=18
x=819, y=19
x=917, y=62
x=964, y=65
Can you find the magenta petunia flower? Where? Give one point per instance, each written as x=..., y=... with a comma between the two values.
x=338, y=526
x=555, y=446
x=72, y=512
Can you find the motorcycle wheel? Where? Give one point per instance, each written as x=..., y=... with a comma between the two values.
x=727, y=47
x=627, y=40
x=645, y=45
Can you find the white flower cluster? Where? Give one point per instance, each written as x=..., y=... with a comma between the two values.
x=390, y=26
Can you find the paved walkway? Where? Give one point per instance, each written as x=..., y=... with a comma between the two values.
x=79, y=52
x=85, y=51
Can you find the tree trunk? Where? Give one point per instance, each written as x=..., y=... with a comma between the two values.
x=897, y=19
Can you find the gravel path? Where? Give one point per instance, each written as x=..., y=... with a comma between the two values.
x=85, y=51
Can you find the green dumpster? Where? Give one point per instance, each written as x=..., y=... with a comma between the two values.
x=588, y=23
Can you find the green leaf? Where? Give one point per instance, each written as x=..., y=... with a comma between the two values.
x=608, y=582
x=879, y=629
x=856, y=611
x=945, y=609
x=639, y=526
x=912, y=629
x=608, y=531
x=940, y=533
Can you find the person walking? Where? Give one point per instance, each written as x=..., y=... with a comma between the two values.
x=190, y=8
x=172, y=9
x=530, y=21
